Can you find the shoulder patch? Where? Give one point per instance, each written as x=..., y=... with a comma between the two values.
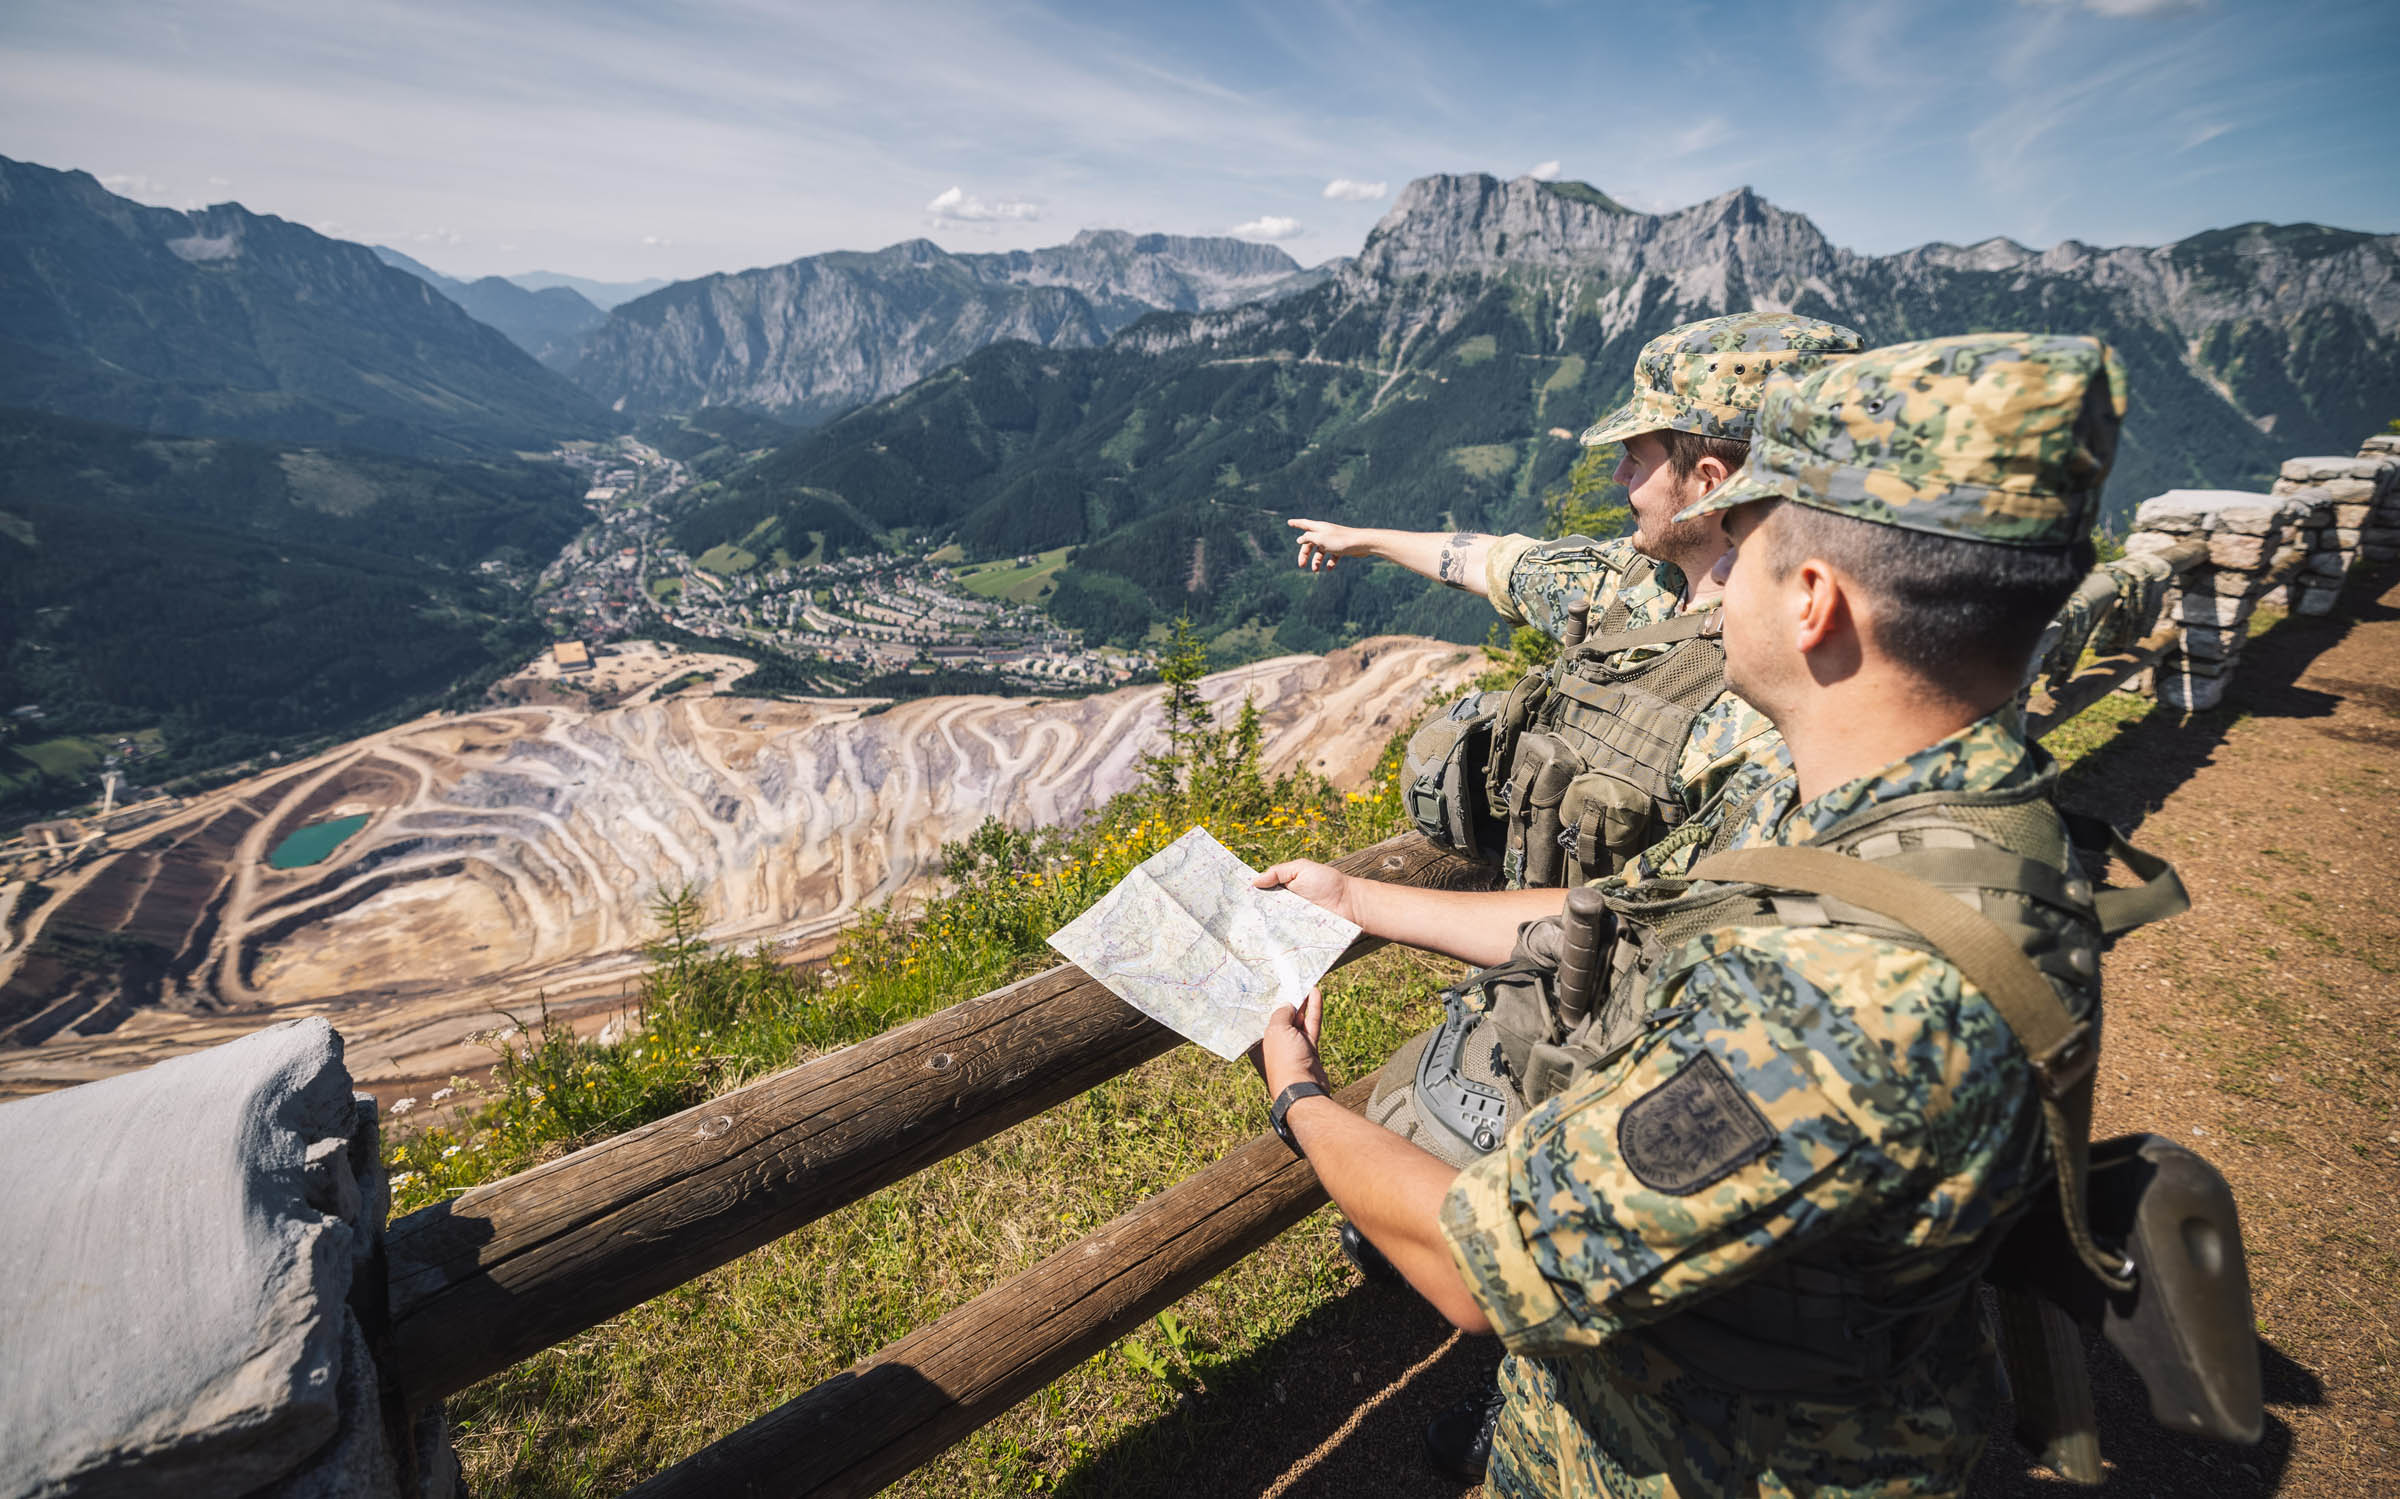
x=1696, y=1128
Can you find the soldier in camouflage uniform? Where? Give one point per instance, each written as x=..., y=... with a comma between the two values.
x=1684, y=430
x=1737, y=1256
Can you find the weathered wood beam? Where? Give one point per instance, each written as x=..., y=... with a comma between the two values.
x=2078, y=693
x=511, y=1267
x=896, y=1411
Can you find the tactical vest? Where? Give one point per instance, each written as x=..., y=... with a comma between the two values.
x=1817, y=1323
x=1574, y=771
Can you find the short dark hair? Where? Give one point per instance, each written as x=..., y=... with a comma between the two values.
x=1686, y=449
x=1941, y=602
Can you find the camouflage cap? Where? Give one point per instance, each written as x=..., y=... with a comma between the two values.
x=2000, y=437
x=1705, y=377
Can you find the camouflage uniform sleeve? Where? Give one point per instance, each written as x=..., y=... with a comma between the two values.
x=1532, y=582
x=1728, y=734
x=1756, y=1114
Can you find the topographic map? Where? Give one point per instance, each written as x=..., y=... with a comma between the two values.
x=1189, y=941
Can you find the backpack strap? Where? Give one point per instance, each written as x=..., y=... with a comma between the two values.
x=2062, y=1049
x=2158, y=896
x=1685, y=626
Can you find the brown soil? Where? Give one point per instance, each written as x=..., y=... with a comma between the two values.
x=2262, y=1029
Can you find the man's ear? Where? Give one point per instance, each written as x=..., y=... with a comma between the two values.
x=1708, y=473
x=1822, y=600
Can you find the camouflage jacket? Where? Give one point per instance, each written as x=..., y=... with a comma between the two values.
x=1826, y=1089
x=1532, y=582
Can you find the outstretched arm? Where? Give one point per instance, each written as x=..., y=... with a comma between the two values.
x=1476, y=926
x=1452, y=557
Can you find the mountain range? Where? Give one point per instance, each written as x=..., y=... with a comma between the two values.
x=223, y=322
x=1436, y=379
x=812, y=338
x=549, y=323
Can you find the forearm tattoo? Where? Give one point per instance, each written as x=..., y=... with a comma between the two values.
x=1452, y=568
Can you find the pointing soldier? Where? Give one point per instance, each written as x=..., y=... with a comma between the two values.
x=1735, y=1251
x=1685, y=429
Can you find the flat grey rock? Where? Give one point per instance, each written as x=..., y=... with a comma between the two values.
x=171, y=1318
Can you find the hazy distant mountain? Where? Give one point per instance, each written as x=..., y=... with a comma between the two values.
x=225, y=322
x=1435, y=382
x=601, y=294
x=810, y=339
x=548, y=324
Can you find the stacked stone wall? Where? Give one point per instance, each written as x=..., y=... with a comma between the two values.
x=2291, y=548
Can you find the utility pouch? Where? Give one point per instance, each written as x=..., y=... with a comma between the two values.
x=1537, y=783
x=1518, y=710
x=1604, y=820
x=1443, y=778
x=2186, y=1324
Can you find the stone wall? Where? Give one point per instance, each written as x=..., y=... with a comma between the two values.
x=2290, y=548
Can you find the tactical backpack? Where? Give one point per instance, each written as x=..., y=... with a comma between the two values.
x=1573, y=772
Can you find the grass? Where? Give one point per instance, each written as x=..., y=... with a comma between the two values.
x=1485, y=460
x=1019, y=584
x=726, y=559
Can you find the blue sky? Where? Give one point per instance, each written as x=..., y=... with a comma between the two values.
x=622, y=141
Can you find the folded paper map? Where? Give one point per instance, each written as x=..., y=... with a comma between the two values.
x=1189, y=941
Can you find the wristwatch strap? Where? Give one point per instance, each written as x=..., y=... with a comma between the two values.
x=1283, y=1106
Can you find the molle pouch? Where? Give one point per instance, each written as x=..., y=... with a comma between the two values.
x=1537, y=783
x=1442, y=778
x=1518, y=710
x=1604, y=820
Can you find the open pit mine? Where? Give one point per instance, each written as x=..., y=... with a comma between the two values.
x=507, y=858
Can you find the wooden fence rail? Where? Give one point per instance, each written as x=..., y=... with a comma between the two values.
x=509, y=1268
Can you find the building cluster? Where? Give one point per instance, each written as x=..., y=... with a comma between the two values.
x=860, y=616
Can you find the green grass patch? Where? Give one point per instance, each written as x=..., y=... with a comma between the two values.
x=2096, y=726
x=666, y=590
x=947, y=556
x=1485, y=460
x=726, y=559
x=65, y=758
x=1027, y=583
x=1480, y=349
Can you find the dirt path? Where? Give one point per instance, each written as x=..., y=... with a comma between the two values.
x=2263, y=1029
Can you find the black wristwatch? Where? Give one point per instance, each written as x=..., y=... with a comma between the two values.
x=1283, y=1106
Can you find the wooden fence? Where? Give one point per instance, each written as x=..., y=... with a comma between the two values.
x=507, y=1269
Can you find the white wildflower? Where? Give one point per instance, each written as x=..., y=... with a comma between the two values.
x=441, y=1093
x=453, y=1150
x=404, y=1105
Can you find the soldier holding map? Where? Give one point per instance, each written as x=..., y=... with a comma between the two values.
x=1735, y=1252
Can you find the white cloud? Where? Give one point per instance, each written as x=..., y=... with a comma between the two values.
x=2201, y=135
x=1267, y=226
x=1546, y=171
x=2130, y=7
x=438, y=237
x=959, y=206
x=1343, y=189
x=648, y=239
x=134, y=185
x=1712, y=131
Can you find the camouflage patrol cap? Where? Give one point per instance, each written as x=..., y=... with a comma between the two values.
x=2000, y=437
x=1705, y=377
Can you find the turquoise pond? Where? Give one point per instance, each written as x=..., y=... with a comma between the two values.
x=315, y=843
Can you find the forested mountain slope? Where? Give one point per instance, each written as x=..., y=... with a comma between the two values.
x=815, y=337
x=239, y=595
x=548, y=323
x=1435, y=381
x=223, y=322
